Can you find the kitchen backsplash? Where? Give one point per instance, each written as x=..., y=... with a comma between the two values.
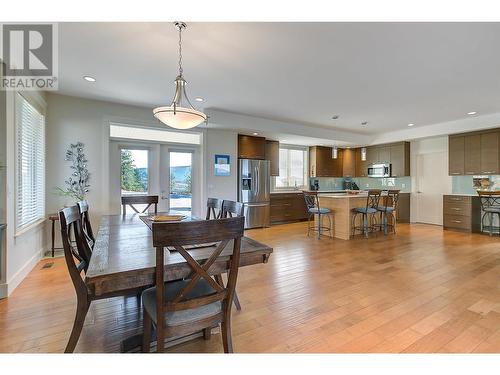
x=332, y=183
x=464, y=184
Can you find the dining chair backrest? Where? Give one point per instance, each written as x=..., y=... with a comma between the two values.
x=489, y=198
x=311, y=199
x=83, y=207
x=214, y=208
x=176, y=236
x=148, y=200
x=77, y=259
x=373, y=198
x=232, y=209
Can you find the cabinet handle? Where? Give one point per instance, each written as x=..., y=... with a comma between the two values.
x=455, y=208
x=457, y=221
x=488, y=172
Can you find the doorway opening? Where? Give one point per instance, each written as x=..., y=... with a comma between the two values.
x=181, y=181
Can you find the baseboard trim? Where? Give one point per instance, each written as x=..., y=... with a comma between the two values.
x=20, y=275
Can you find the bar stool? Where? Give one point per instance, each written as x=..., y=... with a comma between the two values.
x=368, y=213
x=389, y=210
x=490, y=205
x=313, y=208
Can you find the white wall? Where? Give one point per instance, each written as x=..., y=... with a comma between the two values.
x=436, y=145
x=225, y=143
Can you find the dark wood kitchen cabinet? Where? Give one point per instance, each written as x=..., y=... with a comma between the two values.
x=472, y=154
x=384, y=154
x=321, y=162
x=400, y=159
x=250, y=147
x=273, y=155
x=372, y=155
x=456, y=155
x=348, y=163
x=462, y=212
x=490, y=153
x=287, y=207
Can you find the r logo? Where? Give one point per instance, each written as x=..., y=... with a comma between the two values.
x=28, y=49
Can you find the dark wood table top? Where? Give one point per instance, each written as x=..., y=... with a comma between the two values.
x=124, y=258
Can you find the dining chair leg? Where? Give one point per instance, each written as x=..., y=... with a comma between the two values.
x=365, y=225
x=491, y=224
x=53, y=237
x=385, y=224
x=81, y=312
x=146, y=332
x=160, y=338
x=236, y=300
x=227, y=341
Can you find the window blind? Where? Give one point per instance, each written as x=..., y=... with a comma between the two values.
x=30, y=169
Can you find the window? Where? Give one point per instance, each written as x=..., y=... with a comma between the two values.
x=293, y=168
x=134, y=171
x=30, y=168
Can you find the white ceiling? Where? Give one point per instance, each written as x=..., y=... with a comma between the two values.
x=389, y=74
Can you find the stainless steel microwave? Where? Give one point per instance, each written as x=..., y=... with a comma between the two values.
x=379, y=170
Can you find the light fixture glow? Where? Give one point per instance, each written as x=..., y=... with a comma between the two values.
x=255, y=133
x=472, y=113
x=335, y=152
x=89, y=78
x=180, y=114
x=199, y=99
x=363, y=153
x=410, y=124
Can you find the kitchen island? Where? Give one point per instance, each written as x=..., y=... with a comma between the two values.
x=341, y=206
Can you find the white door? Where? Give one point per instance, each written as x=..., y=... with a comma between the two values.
x=432, y=182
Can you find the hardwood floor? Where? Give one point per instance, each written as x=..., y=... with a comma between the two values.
x=422, y=290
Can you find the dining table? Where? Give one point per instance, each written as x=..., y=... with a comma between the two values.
x=123, y=258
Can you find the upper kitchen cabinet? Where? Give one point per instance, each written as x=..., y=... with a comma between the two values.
x=348, y=162
x=321, y=163
x=360, y=165
x=472, y=153
x=273, y=155
x=456, y=155
x=476, y=153
x=250, y=147
x=396, y=154
x=490, y=153
x=400, y=159
x=372, y=155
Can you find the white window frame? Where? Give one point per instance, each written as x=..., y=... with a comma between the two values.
x=21, y=227
x=306, y=169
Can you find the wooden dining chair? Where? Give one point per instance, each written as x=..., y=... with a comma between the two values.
x=130, y=200
x=214, y=208
x=77, y=261
x=231, y=209
x=83, y=206
x=196, y=303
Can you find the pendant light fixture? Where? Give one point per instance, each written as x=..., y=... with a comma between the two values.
x=334, y=152
x=180, y=114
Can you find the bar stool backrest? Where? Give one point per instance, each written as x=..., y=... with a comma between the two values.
x=373, y=198
x=311, y=199
x=489, y=199
x=393, y=199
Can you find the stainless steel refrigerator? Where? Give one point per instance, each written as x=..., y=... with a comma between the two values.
x=254, y=191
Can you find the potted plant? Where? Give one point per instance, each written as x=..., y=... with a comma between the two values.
x=77, y=185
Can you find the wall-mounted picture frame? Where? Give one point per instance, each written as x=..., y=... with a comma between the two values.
x=222, y=165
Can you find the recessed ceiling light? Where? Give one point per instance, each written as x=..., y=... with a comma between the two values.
x=89, y=78
x=364, y=123
x=410, y=124
x=199, y=99
x=472, y=113
x=334, y=117
x=348, y=146
x=255, y=133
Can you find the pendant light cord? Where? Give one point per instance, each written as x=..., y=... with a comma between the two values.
x=180, y=51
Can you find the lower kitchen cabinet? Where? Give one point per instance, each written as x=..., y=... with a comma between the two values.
x=462, y=212
x=287, y=207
